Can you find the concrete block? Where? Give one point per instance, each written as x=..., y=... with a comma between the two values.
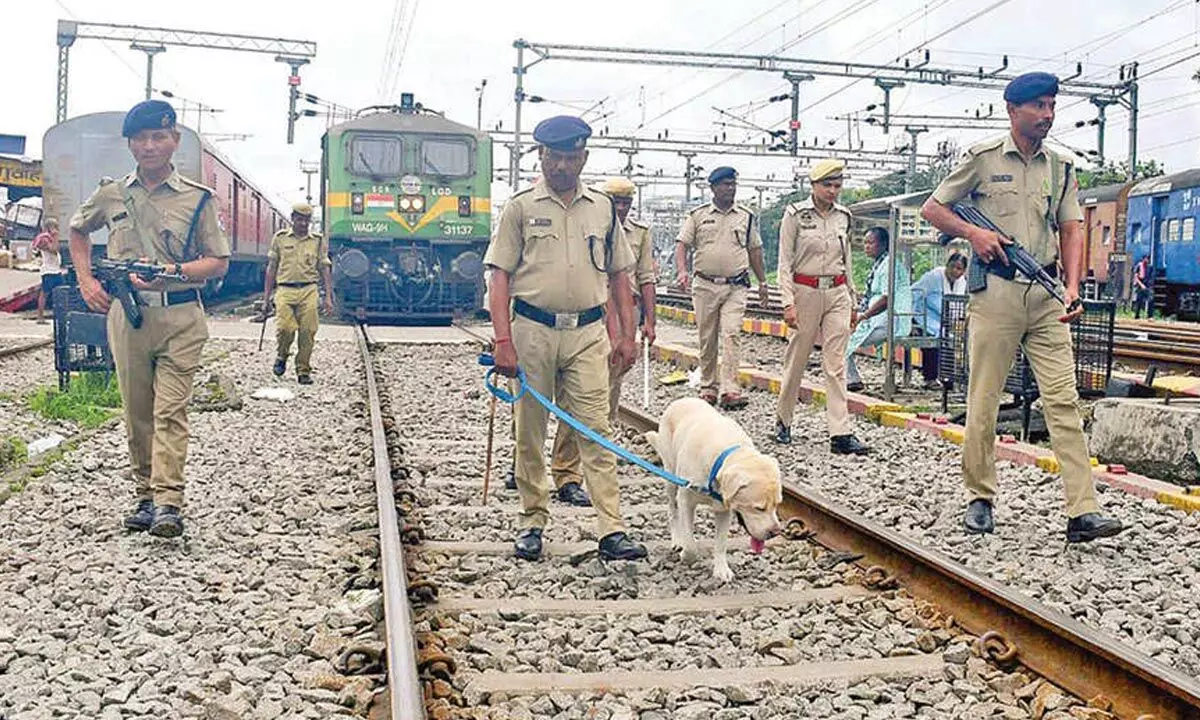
x=895, y=419
x=1149, y=437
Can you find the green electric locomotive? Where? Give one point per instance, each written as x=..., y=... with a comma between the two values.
x=406, y=197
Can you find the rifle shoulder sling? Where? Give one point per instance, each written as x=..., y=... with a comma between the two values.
x=187, y=245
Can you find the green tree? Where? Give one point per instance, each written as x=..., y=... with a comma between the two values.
x=1116, y=172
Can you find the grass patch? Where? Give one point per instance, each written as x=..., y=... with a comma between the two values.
x=13, y=452
x=91, y=400
x=7, y=397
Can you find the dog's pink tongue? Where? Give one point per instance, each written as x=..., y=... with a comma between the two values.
x=756, y=545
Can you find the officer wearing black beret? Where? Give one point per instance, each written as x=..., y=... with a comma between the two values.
x=725, y=243
x=1030, y=192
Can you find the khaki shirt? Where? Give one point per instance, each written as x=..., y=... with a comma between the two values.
x=165, y=216
x=813, y=244
x=719, y=239
x=544, y=246
x=1028, y=199
x=642, y=246
x=298, y=259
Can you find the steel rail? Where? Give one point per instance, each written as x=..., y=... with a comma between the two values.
x=1082, y=661
x=406, y=696
x=17, y=350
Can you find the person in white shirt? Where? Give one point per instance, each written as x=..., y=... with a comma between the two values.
x=928, y=293
x=47, y=247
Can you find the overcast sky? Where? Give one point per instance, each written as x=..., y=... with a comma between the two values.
x=454, y=45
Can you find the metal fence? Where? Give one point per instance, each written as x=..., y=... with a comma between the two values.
x=80, y=336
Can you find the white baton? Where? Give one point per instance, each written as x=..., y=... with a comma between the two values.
x=645, y=374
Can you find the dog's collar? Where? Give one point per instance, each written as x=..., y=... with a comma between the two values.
x=716, y=468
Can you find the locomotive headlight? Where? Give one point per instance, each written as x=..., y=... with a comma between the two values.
x=418, y=203
x=464, y=206
x=356, y=203
x=467, y=265
x=405, y=204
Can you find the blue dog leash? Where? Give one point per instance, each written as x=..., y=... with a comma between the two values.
x=523, y=387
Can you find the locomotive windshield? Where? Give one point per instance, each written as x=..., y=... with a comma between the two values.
x=376, y=156
x=447, y=158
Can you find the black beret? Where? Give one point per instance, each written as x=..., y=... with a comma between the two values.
x=1030, y=86
x=562, y=132
x=722, y=173
x=148, y=115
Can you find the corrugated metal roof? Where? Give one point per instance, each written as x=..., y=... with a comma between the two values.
x=1167, y=183
x=405, y=122
x=1100, y=193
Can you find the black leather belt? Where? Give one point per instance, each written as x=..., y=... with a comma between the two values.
x=739, y=279
x=167, y=299
x=297, y=285
x=558, y=321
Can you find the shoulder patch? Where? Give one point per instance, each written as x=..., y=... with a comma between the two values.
x=986, y=145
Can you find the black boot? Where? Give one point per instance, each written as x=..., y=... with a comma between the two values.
x=167, y=522
x=1090, y=526
x=304, y=379
x=855, y=387
x=978, y=518
x=142, y=518
x=529, y=544
x=619, y=546
x=280, y=367
x=783, y=434
x=510, y=480
x=572, y=494
x=847, y=445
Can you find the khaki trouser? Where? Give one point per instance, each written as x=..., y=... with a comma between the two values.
x=827, y=312
x=719, y=313
x=296, y=309
x=572, y=367
x=1000, y=318
x=564, y=460
x=155, y=366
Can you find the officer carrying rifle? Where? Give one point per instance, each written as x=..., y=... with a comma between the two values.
x=165, y=223
x=1030, y=191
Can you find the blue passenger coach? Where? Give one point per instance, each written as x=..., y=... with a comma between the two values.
x=1162, y=223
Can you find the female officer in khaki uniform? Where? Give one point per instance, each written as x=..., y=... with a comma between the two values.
x=152, y=213
x=296, y=260
x=815, y=286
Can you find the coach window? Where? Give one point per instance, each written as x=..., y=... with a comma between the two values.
x=1173, y=230
x=376, y=156
x=1189, y=229
x=1105, y=235
x=447, y=158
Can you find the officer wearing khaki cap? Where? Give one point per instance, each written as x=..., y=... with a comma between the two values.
x=296, y=261
x=1029, y=191
x=815, y=285
x=156, y=214
x=557, y=253
x=565, y=459
x=726, y=245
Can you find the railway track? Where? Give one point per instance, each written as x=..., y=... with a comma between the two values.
x=841, y=612
x=1138, y=341
x=25, y=347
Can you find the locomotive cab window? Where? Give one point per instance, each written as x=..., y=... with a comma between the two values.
x=376, y=156
x=445, y=157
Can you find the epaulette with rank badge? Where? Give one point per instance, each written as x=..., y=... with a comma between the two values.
x=199, y=186
x=986, y=145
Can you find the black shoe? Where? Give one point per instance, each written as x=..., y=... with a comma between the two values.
x=304, y=379
x=167, y=522
x=1089, y=526
x=510, y=480
x=529, y=544
x=847, y=445
x=855, y=387
x=978, y=519
x=572, y=494
x=142, y=518
x=618, y=546
x=783, y=434
x=280, y=367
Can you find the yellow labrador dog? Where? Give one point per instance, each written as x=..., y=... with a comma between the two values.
x=711, y=451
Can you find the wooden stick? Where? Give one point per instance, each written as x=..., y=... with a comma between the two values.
x=487, y=468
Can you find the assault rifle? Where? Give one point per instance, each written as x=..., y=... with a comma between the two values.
x=1019, y=259
x=114, y=276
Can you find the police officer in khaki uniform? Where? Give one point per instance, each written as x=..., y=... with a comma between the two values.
x=296, y=261
x=1030, y=192
x=564, y=464
x=815, y=285
x=726, y=245
x=557, y=253
x=156, y=214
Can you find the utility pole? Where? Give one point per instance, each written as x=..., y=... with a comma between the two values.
x=1101, y=103
x=760, y=190
x=514, y=160
x=295, y=63
x=1129, y=73
x=151, y=51
x=794, y=125
x=479, y=104
x=913, y=132
x=309, y=168
x=887, y=86
x=687, y=176
x=628, y=153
